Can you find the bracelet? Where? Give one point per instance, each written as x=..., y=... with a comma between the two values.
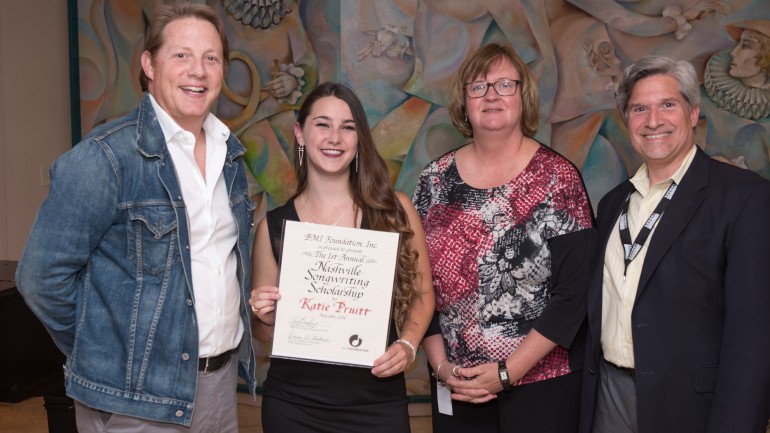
x=409, y=345
x=437, y=373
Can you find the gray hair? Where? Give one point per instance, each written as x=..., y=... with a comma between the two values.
x=680, y=70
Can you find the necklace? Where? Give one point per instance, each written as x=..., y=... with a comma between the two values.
x=304, y=203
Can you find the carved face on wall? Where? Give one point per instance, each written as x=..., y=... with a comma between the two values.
x=747, y=59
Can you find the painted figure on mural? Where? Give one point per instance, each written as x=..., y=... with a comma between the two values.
x=683, y=28
x=390, y=40
x=735, y=98
x=583, y=118
x=265, y=86
x=739, y=80
x=593, y=40
x=377, y=58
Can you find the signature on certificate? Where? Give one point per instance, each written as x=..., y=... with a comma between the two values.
x=306, y=338
x=306, y=323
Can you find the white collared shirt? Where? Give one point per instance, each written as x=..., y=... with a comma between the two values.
x=213, y=232
x=619, y=292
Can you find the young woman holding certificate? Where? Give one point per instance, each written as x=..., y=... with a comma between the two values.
x=342, y=181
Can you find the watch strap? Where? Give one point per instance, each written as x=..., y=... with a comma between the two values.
x=502, y=371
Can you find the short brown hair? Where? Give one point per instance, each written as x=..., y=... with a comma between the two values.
x=165, y=14
x=479, y=64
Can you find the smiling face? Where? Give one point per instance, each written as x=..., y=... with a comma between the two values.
x=493, y=112
x=661, y=122
x=330, y=137
x=185, y=76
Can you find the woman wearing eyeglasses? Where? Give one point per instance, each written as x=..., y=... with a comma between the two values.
x=510, y=235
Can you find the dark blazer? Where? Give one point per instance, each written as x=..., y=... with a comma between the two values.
x=701, y=319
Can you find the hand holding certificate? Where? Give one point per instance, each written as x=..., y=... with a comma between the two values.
x=336, y=288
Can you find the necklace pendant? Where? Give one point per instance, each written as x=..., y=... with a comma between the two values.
x=318, y=221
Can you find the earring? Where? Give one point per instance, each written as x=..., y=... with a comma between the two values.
x=301, y=152
x=356, y=162
x=466, y=117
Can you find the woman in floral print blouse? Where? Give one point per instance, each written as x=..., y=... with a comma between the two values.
x=510, y=234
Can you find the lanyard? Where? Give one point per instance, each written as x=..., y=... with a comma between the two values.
x=632, y=249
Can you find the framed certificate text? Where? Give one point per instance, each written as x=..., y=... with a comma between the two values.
x=336, y=286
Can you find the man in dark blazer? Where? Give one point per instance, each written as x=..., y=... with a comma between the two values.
x=679, y=297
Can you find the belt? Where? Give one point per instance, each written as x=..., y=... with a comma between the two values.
x=627, y=370
x=214, y=363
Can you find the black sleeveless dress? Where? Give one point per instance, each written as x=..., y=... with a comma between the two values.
x=313, y=397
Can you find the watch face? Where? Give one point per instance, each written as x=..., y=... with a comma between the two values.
x=504, y=375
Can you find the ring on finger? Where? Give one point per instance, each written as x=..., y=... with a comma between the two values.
x=254, y=309
x=454, y=371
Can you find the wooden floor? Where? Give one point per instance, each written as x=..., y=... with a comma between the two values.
x=29, y=416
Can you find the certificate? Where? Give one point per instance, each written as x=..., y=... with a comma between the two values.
x=336, y=286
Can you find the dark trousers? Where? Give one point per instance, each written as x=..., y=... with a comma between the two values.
x=616, y=403
x=548, y=406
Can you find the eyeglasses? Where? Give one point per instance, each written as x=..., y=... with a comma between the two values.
x=504, y=87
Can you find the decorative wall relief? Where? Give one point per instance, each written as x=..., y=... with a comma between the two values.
x=739, y=81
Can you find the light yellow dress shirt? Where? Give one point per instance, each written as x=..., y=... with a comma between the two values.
x=619, y=293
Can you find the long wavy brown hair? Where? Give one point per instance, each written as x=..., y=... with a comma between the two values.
x=372, y=193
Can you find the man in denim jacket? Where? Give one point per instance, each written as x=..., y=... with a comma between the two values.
x=138, y=260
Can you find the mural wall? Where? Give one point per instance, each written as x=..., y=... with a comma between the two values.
x=399, y=56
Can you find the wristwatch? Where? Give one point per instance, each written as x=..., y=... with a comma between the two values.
x=502, y=371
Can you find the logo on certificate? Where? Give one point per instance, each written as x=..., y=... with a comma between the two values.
x=355, y=340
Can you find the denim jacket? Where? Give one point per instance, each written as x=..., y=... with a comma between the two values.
x=107, y=265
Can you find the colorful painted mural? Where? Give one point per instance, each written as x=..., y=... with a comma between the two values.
x=400, y=55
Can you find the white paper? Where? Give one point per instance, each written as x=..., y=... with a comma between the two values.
x=444, y=398
x=336, y=287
